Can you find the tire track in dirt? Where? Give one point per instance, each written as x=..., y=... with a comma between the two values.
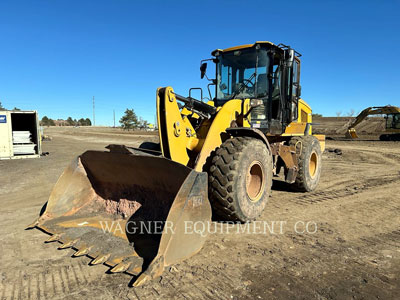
x=215, y=282
x=184, y=287
x=37, y=288
x=389, y=238
x=67, y=280
x=13, y=291
x=53, y=285
x=381, y=203
x=346, y=191
x=362, y=158
x=75, y=276
x=81, y=272
x=52, y=281
x=214, y=288
x=388, y=159
x=21, y=287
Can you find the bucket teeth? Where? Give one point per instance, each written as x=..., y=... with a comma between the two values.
x=142, y=279
x=32, y=225
x=68, y=244
x=121, y=267
x=100, y=259
x=135, y=270
x=82, y=252
x=53, y=238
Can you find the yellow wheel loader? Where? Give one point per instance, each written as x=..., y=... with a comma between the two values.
x=134, y=209
x=392, y=116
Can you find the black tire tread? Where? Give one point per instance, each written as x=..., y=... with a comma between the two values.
x=221, y=173
x=300, y=183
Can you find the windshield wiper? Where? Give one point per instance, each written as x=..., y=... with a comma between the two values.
x=239, y=90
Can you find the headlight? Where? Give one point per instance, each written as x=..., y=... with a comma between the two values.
x=256, y=102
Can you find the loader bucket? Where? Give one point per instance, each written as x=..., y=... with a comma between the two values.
x=351, y=134
x=127, y=211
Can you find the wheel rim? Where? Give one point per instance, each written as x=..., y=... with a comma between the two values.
x=255, y=181
x=313, y=164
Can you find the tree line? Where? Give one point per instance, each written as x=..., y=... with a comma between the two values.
x=46, y=121
x=69, y=122
x=80, y=122
x=128, y=121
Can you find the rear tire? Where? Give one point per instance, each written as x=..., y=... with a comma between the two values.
x=309, y=161
x=240, y=179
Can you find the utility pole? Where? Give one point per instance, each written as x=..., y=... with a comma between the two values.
x=114, y=117
x=94, y=116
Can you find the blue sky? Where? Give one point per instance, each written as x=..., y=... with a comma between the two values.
x=55, y=55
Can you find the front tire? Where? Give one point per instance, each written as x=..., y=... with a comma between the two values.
x=240, y=179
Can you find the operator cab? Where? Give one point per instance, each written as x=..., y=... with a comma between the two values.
x=262, y=71
x=393, y=121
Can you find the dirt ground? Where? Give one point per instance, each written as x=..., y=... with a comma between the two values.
x=352, y=249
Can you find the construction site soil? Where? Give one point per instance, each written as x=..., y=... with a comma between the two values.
x=341, y=241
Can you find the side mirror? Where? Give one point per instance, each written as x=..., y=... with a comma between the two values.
x=203, y=69
x=298, y=89
x=289, y=57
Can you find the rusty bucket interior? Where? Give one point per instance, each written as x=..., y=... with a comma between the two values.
x=127, y=211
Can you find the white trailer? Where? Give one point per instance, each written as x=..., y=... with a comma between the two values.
x=19, y=134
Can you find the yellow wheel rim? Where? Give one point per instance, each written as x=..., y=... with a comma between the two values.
x=255, y=181
x=313, y=164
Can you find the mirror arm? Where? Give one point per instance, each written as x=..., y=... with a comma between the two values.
x=203, y=64
x=208, y=87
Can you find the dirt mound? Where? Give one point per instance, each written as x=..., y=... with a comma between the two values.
x=339, y=125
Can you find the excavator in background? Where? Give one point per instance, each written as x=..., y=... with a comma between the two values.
x=392, y=122
x=134, y=209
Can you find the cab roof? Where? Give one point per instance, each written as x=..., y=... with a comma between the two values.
x=279, y=47
x=244, y=47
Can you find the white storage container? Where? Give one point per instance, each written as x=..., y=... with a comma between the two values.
x=19, y=134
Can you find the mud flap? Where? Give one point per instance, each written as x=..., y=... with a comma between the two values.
x=130, y=212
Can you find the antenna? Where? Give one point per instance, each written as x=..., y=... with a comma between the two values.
x=94, y=115
x=114, y=117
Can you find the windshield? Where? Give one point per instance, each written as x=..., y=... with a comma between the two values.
x=242, y=74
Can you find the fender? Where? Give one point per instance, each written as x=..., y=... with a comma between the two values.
x=286, y=153
x=250, y=132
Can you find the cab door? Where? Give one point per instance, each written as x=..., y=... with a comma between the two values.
x=295, y=88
